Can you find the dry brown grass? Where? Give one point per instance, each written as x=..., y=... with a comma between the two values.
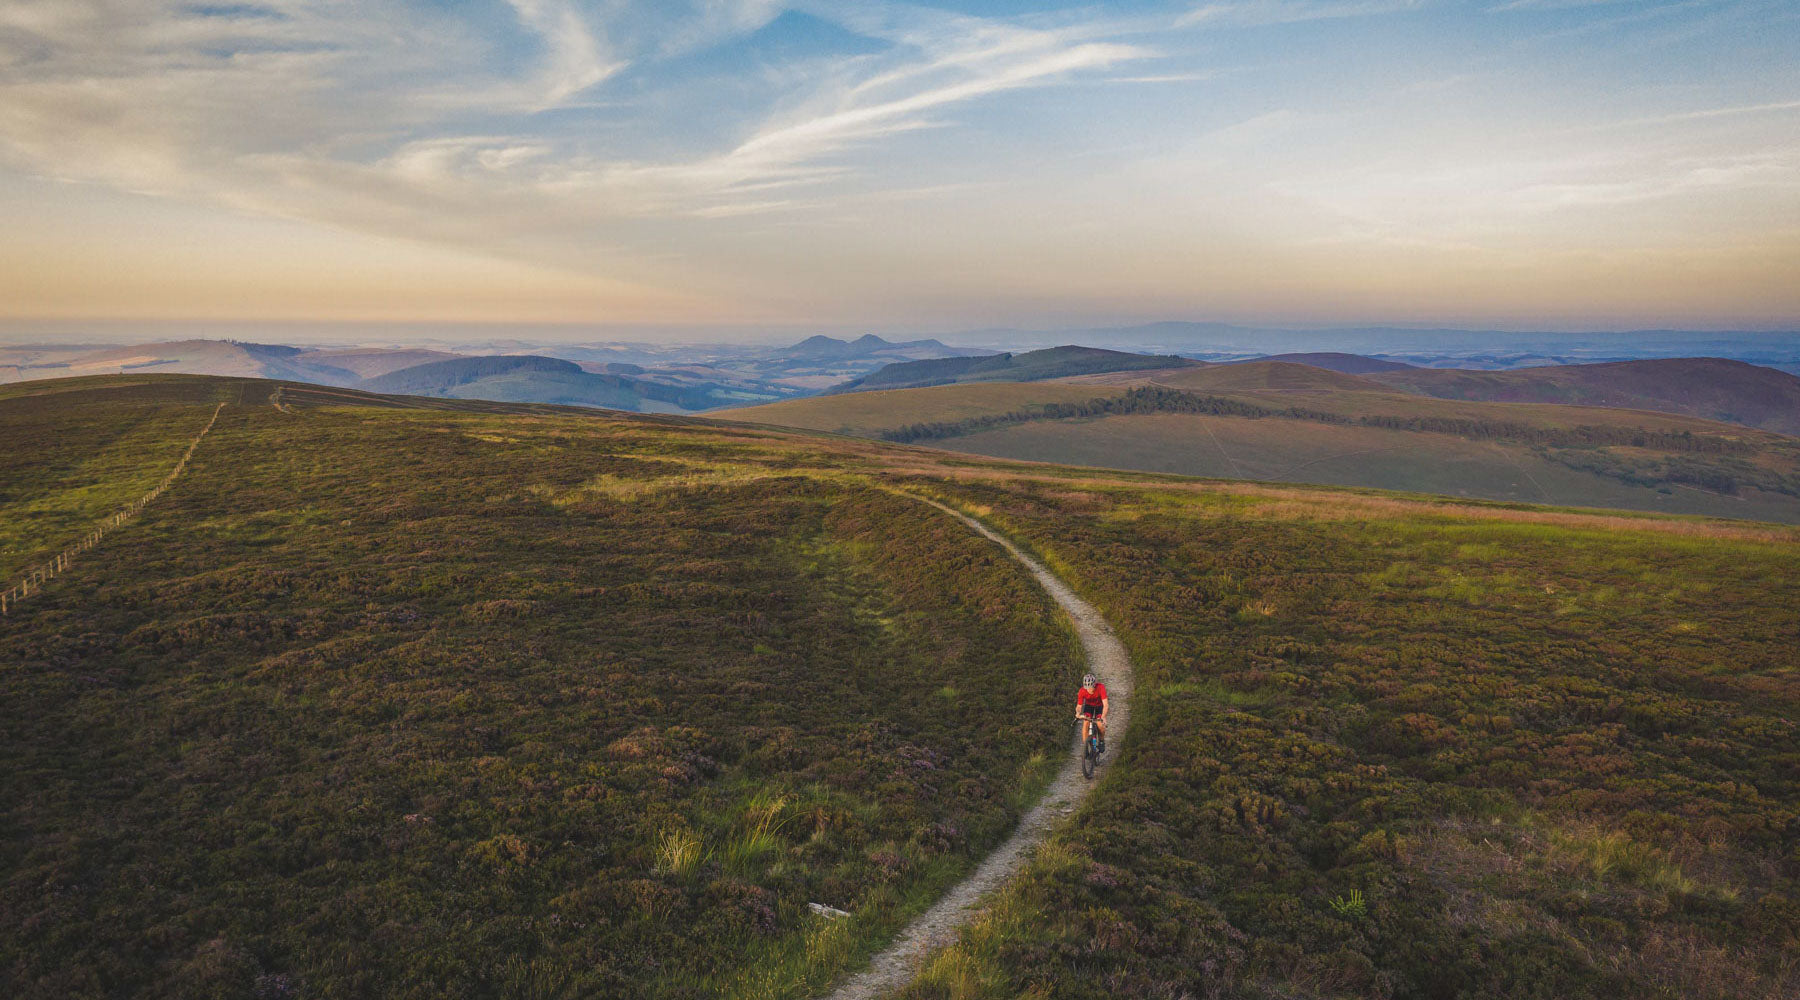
x=1491, y=872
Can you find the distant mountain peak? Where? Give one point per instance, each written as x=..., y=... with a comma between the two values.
x=868, y=345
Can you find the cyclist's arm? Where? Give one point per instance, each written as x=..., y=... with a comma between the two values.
x=1105, y=707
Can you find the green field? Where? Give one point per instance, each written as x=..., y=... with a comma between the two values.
x=70, y=459
x=414, y=698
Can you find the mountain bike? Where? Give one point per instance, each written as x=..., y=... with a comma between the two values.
x=1090, y=747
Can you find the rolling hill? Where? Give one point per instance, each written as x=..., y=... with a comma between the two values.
x=879, y=411
x=1281, y=421
x=369, y=362
x=681, y=378
x=325, y=366
x=532, y=379
x=1052, y=362
x=1267, y=374
x=200, y=357
x=397, y=691
x=1711, y=388
x=413, y=697
x=1353, y=364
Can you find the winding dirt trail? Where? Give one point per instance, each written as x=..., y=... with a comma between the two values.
x=896, y=965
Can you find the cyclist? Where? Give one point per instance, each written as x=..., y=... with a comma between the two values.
x=1091, y=707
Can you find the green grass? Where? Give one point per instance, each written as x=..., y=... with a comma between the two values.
x=1551, y=755
x=421, y=702
x=421, y=699
x=66, y=468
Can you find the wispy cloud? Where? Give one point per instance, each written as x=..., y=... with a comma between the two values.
x=1703, y=114
x=1256, y=13
x=574, y=61
x=805, y=148
x=1512, y=5
x=1508, y=199
x=281, y=109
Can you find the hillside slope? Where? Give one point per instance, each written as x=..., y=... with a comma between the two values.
x=1711, y=388
x=369, y=362
x=533, y=379
x=823, y=348
x=1351, y=364
x=409, y=701
x=213, y=357
x=410, y=697
x=1051, y=362
x=1269, y=373
x=1271, y=420
x=1386, y=750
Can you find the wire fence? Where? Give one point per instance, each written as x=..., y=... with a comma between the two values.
x=41, y=574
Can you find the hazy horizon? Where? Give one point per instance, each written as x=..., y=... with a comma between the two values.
x=761, y=165
x=337, y=335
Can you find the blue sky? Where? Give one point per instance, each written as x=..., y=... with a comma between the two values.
x=1514, y=163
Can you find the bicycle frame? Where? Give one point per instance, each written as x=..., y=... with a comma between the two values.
x=1090, y=744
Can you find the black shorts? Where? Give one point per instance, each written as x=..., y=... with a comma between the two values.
x=1091, y=711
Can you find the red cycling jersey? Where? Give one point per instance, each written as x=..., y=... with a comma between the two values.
x=1094, y=697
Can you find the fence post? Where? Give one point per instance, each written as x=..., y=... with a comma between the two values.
x=44, y=572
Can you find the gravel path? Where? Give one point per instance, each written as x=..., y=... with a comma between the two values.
x=937, y=926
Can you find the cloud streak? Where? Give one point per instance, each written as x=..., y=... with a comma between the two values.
x=177, y=101
x=795, y=150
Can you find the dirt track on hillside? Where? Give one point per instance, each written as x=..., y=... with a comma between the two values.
x=895, y=966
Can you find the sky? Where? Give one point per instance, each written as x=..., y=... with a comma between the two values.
x=677, y=164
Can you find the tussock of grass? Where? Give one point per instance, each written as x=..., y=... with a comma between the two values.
x=679, y=852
